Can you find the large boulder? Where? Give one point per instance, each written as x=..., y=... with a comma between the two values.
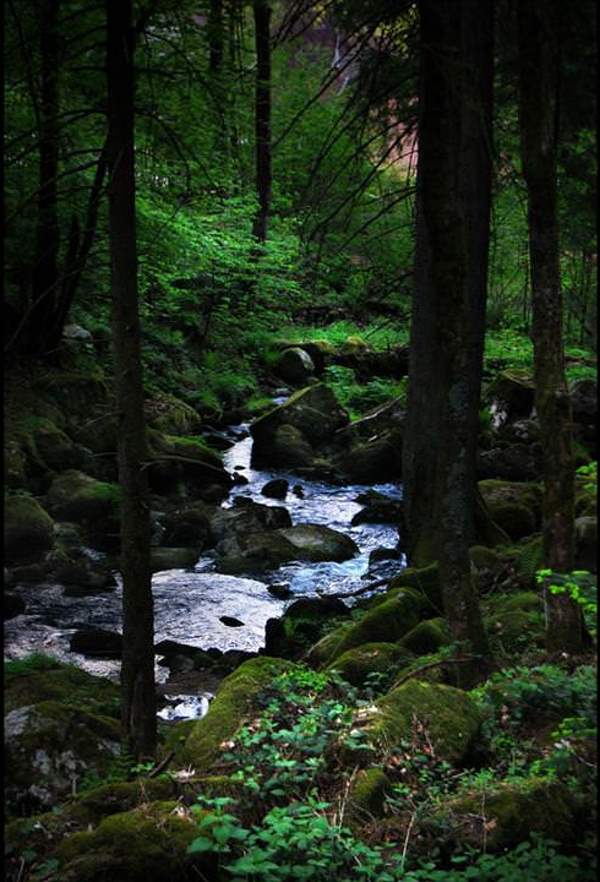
x=586, y=543
x=382, y=419
x=314, y=412
x=378, y=459
x=77, y=497
x=449, y=715
x=28, y=530
x=294, y=366
x=584, y=404
x=43, y=766
x=234, y=701
x=186, y=467
x=247, y=516
x=511, y=396
x=314, y=542
x=356, y=665
x=301, y=625
x=515, y=506
x=516, y=462
x=188, y=526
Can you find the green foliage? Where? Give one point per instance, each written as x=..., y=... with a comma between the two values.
x=358, y=398
x=580, y=585
x=37, y=661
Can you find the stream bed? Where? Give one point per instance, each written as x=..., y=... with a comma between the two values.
x=189, y=604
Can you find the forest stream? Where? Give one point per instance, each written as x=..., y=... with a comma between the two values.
x=190, y=603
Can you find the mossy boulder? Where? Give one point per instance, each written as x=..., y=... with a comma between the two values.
x=424, y=580
x=77, y=497
x=169, y=414
x=172, y=558
x=301, y=625
x=55, y=449
x=515, y=620
x=231, y=705
x=41, y=678
x=512, y=395
x=428, y=636
x=49, y=746
x=367, y=794
x=450, y=716
x=313, y=411
x=586, y=543
x=188, y=526
x=488, y=559
x=516, y=462
x=325, y=649
x=388, y=622
x=185, y=467
x=511, y=812
x=28, y=529
x=378, y=459
x=314, y=543
x=148, y=843
x=355, y=665
x=502, y=496
x=246, y=516
x=294, y=365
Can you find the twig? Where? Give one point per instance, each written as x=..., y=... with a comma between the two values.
x=406, y=840
x=162, y=765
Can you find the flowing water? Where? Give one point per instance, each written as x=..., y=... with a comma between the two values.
x=189, y=604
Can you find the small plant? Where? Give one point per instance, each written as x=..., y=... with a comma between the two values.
x=580, y=585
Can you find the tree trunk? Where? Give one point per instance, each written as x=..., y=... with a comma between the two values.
x=448, y=320
x=45, y=271
x=138, y=700
x=262, y=17
x=539, y=69
x=215, y=36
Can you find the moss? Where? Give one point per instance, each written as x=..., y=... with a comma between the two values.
x=148, y=843
x=170, y=414
x=28, y=529
x=26, y=684
x=386, y=623
x=427, y=636
x=108, y=799
x=486, y=558
x=231, y=704
x=356, y=664
x=326, y=648
x=511, y=812
x=75, y=496
x=367, y=794
x=450, y=716
x=528, y=557
x=515, y=620
x=192, y=447
x=425, y=580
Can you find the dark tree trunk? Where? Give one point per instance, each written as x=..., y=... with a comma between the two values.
x=448, y=321
x=45, y=270
x=138, y=700
x=539, y=61
x=262, y=17
x=215, y=36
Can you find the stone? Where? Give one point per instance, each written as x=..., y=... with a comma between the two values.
x=76, y=332
x=427, y=637
x=247, y=516
x=188, y=526
x=234, y=702
x=385, y=511
x=28, y=529
x=97, y=643
x=379, y=459
x=77, y=497
x=281, y=590
x=294, y=365
x=367, y=795
x=186, y=468
x=313, y=412
x=12, y=606
x=254, y=552
x=314, y=542
x=355, y=665
x=276, y=489
x=511, y=395
x=172, y=558
x=515, y=506
x=450, y=716
x=517, y=462
x=231, y=622
x=298, y=491
x=301, y=625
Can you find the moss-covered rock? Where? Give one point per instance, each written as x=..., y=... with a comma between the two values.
x=367, y=795
x=378, y=459
x=388, y=622
x=28, y=529
x=427, y=636
x=302, y=624
x=169, y=414
x=188, y=526
x=40, y=678
x=172, y=558
x=512, y=395
x=313, y=411
x=516, y=620
x=294, y=365
x=289, y=449
x=515, y=506
x=484, y=558
x=586, y=543
x=232, y=703
x=325, y=649
x=148, y=844
x=246, y=516
x=450, y=716
x=356, y=664
x=425, y=580
x=184, y=467
x=509, y=813
x=77, y=497
x=49, y=746
x=314, y=543
x=264, y=550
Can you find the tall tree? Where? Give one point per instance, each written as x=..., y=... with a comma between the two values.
x=448, y=317
x=262, y=19
x=138, y=700
x=539, y=84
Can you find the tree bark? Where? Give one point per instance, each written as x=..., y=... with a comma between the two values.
x=262, y=18
x=539, y=71
x=448, y=319
x=45, y=271
x=138, y=700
